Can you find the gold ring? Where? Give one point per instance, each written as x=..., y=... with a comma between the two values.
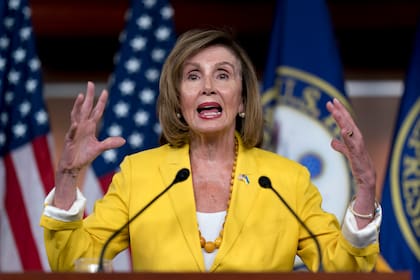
x=350, y=133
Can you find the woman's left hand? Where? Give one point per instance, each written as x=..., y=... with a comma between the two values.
x=352, y=146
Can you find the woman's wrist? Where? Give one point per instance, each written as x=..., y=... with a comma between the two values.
x=73, y=172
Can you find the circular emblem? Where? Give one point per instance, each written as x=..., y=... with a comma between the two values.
x=405, y=178
x=301, y=129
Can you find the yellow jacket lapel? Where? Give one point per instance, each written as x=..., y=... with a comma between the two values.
x=182, y=199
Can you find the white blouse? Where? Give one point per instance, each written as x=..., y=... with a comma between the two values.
x=210, y=225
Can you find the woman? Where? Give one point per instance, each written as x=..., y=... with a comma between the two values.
x=219, y=219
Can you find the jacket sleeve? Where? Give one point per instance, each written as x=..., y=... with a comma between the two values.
x=338, y=254
x=66, y=240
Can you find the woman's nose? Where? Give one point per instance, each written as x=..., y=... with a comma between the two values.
x=208, y=88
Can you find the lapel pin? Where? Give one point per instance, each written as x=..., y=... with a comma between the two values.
x=244, y=177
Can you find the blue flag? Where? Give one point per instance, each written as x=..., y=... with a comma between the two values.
x=400, y=230
x=303, y=72
x=131, y=113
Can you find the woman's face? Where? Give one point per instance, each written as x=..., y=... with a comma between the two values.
x=211, y=91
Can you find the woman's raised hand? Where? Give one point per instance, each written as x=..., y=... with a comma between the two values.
x=81, y=146
x=353, y=147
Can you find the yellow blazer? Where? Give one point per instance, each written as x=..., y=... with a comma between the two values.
x=260, y=234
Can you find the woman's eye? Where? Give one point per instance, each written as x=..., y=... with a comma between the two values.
x=192, y=76
x=223, y=76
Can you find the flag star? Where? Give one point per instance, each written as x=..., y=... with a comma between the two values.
x=19, y=130
x=4, y=118
x=144, y=22
x=162, y=33
x=157, y=128
x=31, y=85
x=8, y=22
x=25, y=33
x=141, y=118
x=138, y=43
x=110, y=156
x=149, y=3
x=147, y=96
x=122, y=36
x=24, y=108
x=127, y=15
x=19, y=55
x=13, y=77
x=136, y=140
x=114, y=130
x=2, y=139
x=14, y=4
x=158, y=55
x=132, y=65
x=26, y=12
x=167, y=12
x=112, y=78
x=127, y=87
x=9, y=97
x=2, y=63
x=34, y=64
x=41, y=117
x=152, y=75
x=4, y=42
x=121, y=109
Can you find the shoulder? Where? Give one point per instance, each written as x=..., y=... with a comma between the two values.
x=265, y=157
x=149, y=153
x=280, y=169
x=162, y=156
x=155, y=154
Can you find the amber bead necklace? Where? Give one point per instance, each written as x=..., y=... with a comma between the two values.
x=210, y=246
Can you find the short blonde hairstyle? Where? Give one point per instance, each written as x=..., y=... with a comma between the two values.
x=175, y=130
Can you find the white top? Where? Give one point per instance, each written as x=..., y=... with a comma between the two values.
x=210, y=225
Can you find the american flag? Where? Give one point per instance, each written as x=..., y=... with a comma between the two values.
x=26, y=172
x=131, y=111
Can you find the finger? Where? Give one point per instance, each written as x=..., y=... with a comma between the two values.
x=87, y=105
x=71, y=132
x=340, y=147
x=112, y=143
x=75, y=111
x=343, y=118
x=100, y=106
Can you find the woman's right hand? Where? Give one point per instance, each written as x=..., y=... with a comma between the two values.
x=81, y=146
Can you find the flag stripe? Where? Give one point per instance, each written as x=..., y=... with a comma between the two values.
x=30, y=181
x=43, y=162
x=9, y=261
x=18, y=218
x=105, y=180
x=92, y=190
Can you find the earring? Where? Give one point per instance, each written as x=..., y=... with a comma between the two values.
x=178, y=115
x=242, y=115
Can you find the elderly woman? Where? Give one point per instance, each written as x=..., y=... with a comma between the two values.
x=219, y=218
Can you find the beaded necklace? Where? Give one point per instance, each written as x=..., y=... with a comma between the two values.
x=210, y=246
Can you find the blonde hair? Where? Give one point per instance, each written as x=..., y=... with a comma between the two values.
x=175, y=130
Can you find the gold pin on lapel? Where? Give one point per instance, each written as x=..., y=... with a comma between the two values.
x=244, y=177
